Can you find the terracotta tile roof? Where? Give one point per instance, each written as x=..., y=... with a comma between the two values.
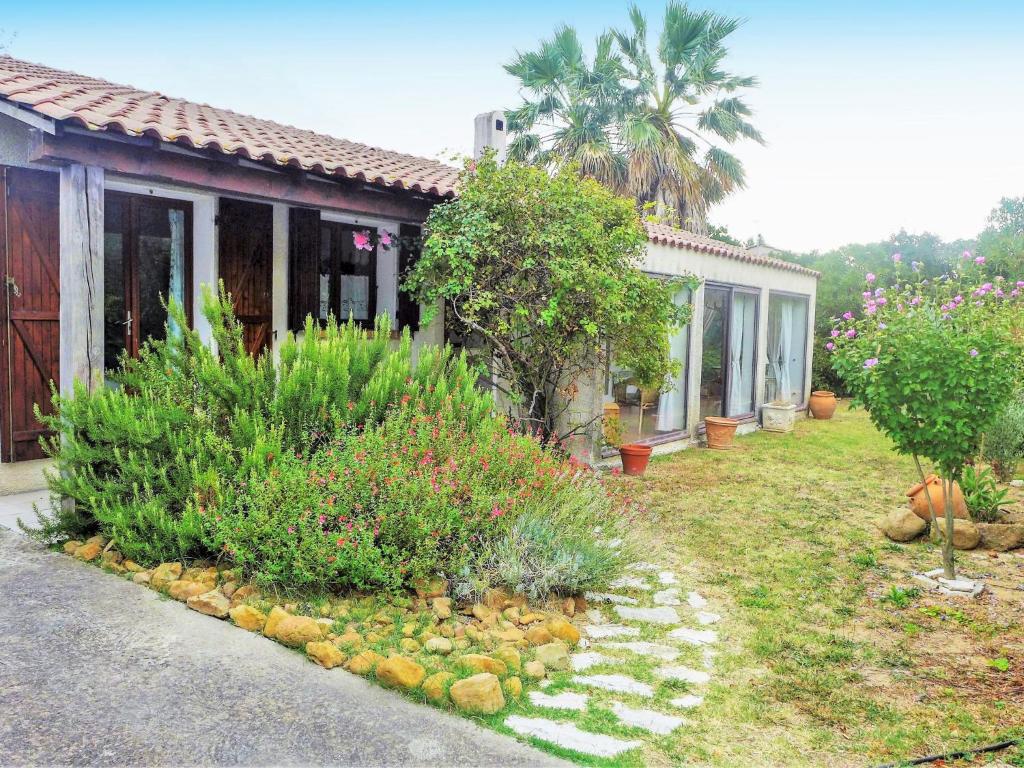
x=681, y=238
x=103, y=106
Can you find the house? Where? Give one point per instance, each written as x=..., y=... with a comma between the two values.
x=113, y=197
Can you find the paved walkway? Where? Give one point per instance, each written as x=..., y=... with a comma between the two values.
x=20, y=505
x=97, y=671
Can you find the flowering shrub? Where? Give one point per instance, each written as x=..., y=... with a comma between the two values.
x=932, y=362
x=344, y=466
x=423, y=492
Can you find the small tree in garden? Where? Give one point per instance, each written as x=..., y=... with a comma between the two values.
x=933, y=362
x=540, y=274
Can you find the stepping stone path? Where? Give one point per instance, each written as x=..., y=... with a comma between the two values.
x=648, y=602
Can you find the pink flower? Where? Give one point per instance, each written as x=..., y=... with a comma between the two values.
x=897, y=257
x=361, y=240
x=385, y=238
x=974, y=353
x=979, y=259
x=871, y=362
x=835, y=332
x=851, y=333
x=291, y=529
x=967, y=254
x=830, y=346
x=870, y=277
x=847, y=315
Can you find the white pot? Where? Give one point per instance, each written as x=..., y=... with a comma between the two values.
x=778, y=417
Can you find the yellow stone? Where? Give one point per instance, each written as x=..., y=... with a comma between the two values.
x=400, y=672
x=480, y=663
x=164, y=574
x=513, y=687
x=325, y=654
x=180, y=589
x=479, y=694
x=564, y=631
x=248, y=618
x=88, y=551
x=510, y=657
x=538, y=636
x=434, y=686
x=71, y=546
x=277, y=615
x=364, y=663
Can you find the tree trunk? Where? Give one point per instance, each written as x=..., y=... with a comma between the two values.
x=948, y=565
x=934, y=532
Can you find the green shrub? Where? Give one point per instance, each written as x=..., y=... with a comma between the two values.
x=1003, y=446
x=554, y=549
x=423, y=492
x=981, y=494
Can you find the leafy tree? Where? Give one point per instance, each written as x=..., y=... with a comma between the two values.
x=540, y=274
x=1002, y=241
x=933, y=362
x=650, y=126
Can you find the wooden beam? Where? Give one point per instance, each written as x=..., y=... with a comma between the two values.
x=81, y=277
x=224, y=176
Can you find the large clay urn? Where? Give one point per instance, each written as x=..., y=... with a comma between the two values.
x=822, y=404
x=919, y=501
x=720, y=432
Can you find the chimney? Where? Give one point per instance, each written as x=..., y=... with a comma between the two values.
x=489, y=132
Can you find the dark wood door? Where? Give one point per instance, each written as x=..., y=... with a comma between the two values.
x=29, y=305
x=246, y=266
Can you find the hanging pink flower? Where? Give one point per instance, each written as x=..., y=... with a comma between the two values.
x=361, y=240
x=385, y=238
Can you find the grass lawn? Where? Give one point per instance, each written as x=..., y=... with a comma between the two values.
x=829, y=657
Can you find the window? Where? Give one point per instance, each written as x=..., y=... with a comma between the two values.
x=729, y=351
x=348, y=274
x=647, y=413
x=787, y=349
x=147, y=258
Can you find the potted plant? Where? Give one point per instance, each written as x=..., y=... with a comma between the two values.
x=822, y=404
x=778, y=416
x=635, y=456
x=720, y=432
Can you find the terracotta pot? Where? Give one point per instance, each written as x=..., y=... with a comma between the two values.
x=823, y=404
x=919, y=500
x=720, y=432
x=635, y=458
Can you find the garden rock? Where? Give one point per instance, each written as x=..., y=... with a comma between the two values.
x=965, y=534
x=88, y=551
x=442, y=607
x=553, y=656
x=564, y=631
x=71, y=546
x=1001, y=537
x=539, y=636
x=439, y=645
x=142, y=577
x=400, y=672
x=534, y=670
x=479, y=694
x=164, y=574
x=513, y=687
x=902, y=525
x=510, y=657
x=325, y=654
x=408, y=645
x=182, y=590
x=433, y=686
x=480, y=663
x=212, y=603
x=247, y=617
x=428, y=588
x=364, y=663
x=295, y=631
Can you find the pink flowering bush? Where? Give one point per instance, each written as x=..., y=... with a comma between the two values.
x=933, y=362
x=424, y=492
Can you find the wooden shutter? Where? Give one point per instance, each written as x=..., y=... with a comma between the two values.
x=246, y=267
x=408, y=306
x=303, y=266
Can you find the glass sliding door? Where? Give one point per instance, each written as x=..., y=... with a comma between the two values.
x=729, y=352
x=712, y=367
x=646, y=413
x=147, y=260
x=348, y=275
x=787, y=349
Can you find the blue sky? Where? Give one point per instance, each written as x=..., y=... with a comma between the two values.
x=879, y=115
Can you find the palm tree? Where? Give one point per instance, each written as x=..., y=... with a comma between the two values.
x=648, y=127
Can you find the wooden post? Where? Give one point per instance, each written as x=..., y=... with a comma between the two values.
x=81, y=277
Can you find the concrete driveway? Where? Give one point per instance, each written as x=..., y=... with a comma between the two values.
x=95, y=670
